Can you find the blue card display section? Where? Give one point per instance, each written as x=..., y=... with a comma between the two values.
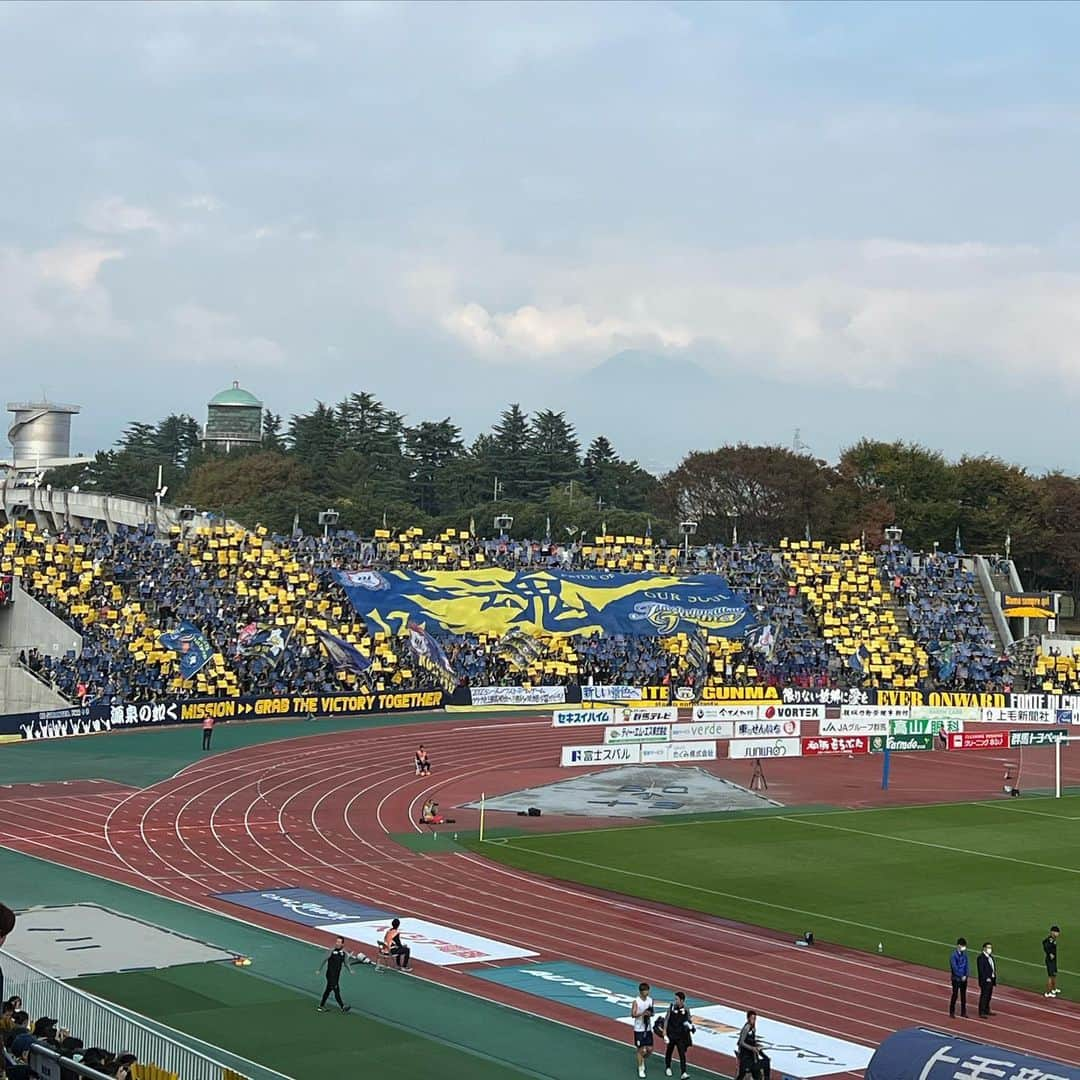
x=304, y=906
x=579, y=987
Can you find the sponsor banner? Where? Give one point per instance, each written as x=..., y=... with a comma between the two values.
x=800, y=695
x=725, y=712
x=978, y=740
x=924, y=727
x=736, y=695
x=921, y=1054
x=623, y=754
x=813, y=745
x=432, y=943
x=1028, y=605
x=709, y=729
x=762, y=729
x=1037, y=738
x=791, y=712
x=965, y=715
x=875, y=712
x=517, y=695
x=558, y=602
x=582, y=717
x=612, y=693
x=793, y=1051
x=56, y=723
x=764, y=748
x=684, y=693
x=566, y=983
x=854, y=726
x=1067, y=716
x=666, y=715
x=249, y=708
x=637, y=733
x=304, y=906
x=1018, y=716
x=672, y=753
x=900, y=743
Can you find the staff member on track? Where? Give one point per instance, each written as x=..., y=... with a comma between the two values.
x=641, y=1011
x=334, y=961
x=207, y=732
x=987, y=979
x=1050, y=953
x=958, y=968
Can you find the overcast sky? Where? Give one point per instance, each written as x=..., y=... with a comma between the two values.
x=853, y=219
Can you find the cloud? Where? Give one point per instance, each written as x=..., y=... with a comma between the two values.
x=55, y=294
x=559, y=330
x=209, y=338
x=862, y=314
x=115, y=217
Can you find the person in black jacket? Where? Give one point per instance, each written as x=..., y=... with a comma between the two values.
x=334, y=961
x=1050, y=953
x=678, y=1027
x=987, y=979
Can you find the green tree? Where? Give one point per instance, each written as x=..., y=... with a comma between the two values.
x=511, y=454
x=432, y=448
x=315, y=438
x=554, y=451
x=272, y=438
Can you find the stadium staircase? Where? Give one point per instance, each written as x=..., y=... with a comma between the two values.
x=21, y=690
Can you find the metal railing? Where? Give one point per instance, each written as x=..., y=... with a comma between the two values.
x=100, y=1024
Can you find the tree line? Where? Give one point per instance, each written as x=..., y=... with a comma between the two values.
x=363, y=460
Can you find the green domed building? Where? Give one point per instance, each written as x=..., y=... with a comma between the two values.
x=233, y=418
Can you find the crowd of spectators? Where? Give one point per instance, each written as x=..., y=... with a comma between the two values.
x=941, y=599
x=19, y=1038
x=825, y=617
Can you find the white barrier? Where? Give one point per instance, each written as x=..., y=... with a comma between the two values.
x=99, y=1024
x=791, y=712
x=638, y=733
x=623, y=754
x=672, y=753
x=662, y=714
x=764, y=748
x=707, y=729
x=582, y=717
x=725, y=712
x=767, y=729
x=855, y=726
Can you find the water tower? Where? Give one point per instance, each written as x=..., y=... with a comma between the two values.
x=233, y=418
x=40, y=433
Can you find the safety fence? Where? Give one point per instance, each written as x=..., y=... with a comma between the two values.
x=99, y=1024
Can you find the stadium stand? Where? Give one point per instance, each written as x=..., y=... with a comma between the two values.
x=826, y=616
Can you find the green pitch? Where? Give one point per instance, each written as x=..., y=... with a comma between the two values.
x=910, y=878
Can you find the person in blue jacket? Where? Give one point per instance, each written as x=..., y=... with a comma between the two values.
x=958, y=967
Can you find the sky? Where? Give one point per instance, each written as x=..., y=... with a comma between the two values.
x=683, y=224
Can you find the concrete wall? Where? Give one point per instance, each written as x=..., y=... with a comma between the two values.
x=27, y=624
x=53, y=509
x=22, y=692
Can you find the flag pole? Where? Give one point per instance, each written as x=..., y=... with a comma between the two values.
x=482, y=797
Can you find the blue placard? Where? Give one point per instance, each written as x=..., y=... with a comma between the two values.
x=304, y=906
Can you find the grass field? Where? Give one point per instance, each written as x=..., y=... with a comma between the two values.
x=277, y=1026
x=912, y=878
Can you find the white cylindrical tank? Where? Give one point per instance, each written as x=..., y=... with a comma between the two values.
x=41, y=431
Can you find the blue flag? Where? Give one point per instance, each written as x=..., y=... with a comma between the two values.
x=342, y=655
x=431, y=655
x=191, y=645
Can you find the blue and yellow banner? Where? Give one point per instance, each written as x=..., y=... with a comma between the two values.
x=546, y=602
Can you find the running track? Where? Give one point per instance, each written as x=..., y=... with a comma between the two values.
x=315, y=812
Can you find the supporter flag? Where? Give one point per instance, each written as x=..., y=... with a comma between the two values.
x=191, y=646
x=297, y=532
x=698, y=655
x=946, y=658
x=859, y=658
x=518, y=648
x=255, y=638
x=431, y=656
x=957, y=546
x=344, y=656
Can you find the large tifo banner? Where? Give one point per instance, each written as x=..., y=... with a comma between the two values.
x=549, y=602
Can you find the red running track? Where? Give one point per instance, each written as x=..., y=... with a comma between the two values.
x=316, y=812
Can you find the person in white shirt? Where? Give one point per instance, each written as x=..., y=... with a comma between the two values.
x=641, y=1009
